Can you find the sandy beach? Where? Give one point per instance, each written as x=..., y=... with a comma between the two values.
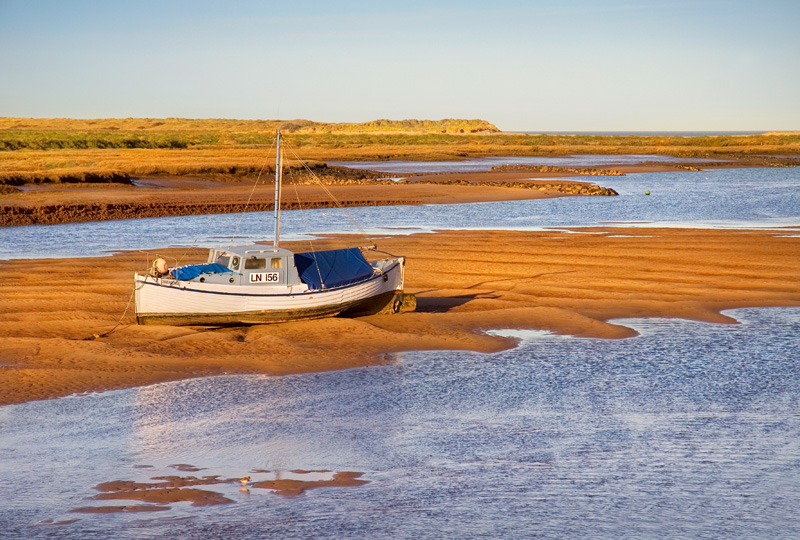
x=55, y=313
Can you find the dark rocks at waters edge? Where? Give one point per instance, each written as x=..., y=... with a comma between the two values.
x=582, y=171
x=574, y=189
x=103, y=177
x=589, y=190
x=569, y=188
x=53, y=214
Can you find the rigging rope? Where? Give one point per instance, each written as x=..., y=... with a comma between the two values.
x=250, y=198
x=339, y=205
x=178, y=261
x=328, y=192
x=305, y=226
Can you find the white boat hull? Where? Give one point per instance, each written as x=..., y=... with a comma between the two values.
x=174, y=302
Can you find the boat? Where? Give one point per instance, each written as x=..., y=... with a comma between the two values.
x=259, y=283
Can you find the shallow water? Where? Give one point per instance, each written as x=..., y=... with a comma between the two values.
x=484, y=164
x=733, y=198
x=690, y=430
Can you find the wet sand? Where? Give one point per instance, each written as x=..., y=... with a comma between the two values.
x=289, y=487
x=168, y=490
x=55, y=314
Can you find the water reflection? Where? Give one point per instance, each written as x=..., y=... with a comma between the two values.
x=262, y=425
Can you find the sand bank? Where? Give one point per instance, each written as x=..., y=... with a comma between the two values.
x=161, y=197
x=45, y=204
x=466, y=282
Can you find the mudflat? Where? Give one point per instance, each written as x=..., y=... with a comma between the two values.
x=161, y=197
x=63, y=202
x=56, y=314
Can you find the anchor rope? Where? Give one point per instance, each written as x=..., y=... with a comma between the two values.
x=119, y=323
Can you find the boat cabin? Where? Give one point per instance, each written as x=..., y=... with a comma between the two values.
x=252, y=265
x=270, y=266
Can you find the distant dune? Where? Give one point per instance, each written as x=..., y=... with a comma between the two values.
x=161, y=125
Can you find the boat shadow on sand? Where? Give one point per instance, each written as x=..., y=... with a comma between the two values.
x=443, y=304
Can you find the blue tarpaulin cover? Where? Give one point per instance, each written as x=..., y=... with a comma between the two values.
x=337, y=267
x=191, y=271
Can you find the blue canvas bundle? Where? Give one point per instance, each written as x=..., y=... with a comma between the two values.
x=191, y=271
x=333, y=268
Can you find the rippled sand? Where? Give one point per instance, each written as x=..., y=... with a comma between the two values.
x=55, y=314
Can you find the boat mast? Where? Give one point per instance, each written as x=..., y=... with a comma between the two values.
x=278, y=181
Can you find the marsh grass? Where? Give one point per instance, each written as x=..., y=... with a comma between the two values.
x=53, y=140
x=49, y=148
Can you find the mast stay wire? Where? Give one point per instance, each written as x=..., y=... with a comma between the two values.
x=305, y=226
x=329, y=194
x=241, y=215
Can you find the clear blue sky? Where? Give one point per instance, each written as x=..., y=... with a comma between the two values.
x=538, y=65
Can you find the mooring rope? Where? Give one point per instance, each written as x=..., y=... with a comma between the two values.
x=119, y=323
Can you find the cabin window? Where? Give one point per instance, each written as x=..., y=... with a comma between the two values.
x=234, y=264
x=224, y=260
x=277, y=262
x=254, y=263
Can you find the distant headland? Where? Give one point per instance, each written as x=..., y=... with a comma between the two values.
x=222, y=127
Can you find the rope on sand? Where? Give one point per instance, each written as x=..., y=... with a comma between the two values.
x=119, y=323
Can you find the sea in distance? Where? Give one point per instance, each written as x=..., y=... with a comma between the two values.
x=644, y=133
x=689, y=430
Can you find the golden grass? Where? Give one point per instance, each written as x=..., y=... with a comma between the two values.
x=48, y=148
